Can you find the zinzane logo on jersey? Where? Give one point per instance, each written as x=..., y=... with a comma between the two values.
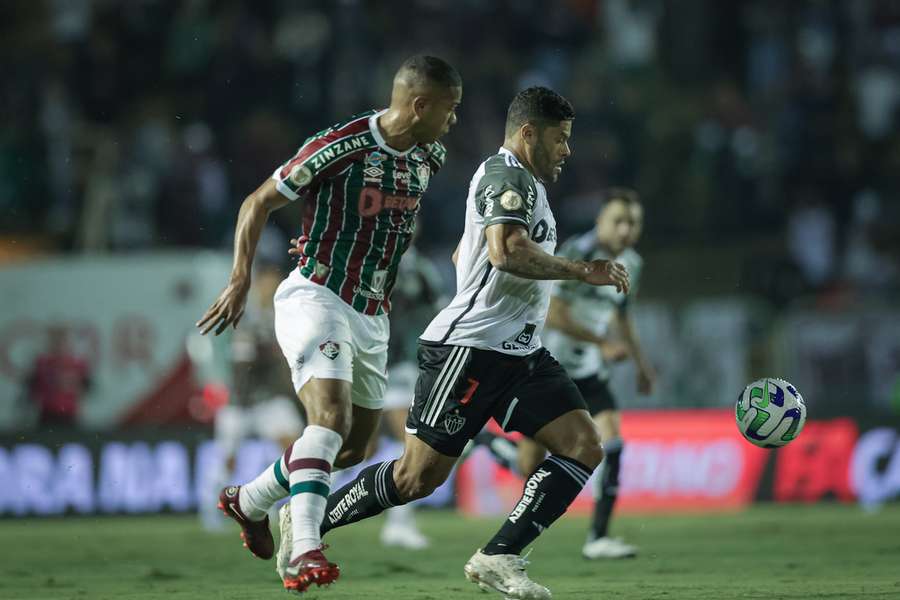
x=338, y=149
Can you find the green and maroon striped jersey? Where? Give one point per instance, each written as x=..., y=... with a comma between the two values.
x=361, y=199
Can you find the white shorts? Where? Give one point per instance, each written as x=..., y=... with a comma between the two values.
x=274, y=419
x=324, y=337
x=401, y=386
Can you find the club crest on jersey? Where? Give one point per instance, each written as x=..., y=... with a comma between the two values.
x=374, y=159
x=453, y=423
x=418, y=154
x=424, y=173
x=300, y=175
x=330, y=349
x=511, y=200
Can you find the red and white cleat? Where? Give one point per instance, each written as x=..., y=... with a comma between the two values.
x=309, y=568
x=256, y=535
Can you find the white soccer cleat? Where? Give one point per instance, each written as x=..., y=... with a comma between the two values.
x=285, y=540
x=607, y=547
x=403, y=536
x=506, y=574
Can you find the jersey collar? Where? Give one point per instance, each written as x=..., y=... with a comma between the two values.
x=379, y=139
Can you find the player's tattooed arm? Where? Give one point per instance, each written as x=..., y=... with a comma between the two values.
x=229, y=306
x=512, y=251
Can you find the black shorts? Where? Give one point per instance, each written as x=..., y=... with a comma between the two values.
x=460, y=388
x=596, y=394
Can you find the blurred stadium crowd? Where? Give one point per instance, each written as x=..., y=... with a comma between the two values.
x=773, y=125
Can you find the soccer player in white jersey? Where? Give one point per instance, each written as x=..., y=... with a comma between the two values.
x=481, y=357
x=579, y=327
x=361, y=182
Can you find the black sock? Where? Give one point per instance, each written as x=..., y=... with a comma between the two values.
x=548, y=493
x=368, y=495
x=504, y=450
x=607, y=488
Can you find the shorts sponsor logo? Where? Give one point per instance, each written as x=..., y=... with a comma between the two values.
x=528, y=496
x=511, y=200
x=353, y=495
x=453, y=423
x=330, y=349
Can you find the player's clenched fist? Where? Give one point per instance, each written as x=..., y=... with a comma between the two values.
x=606, y=272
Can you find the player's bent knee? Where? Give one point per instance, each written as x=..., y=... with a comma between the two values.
x=586, y=449
x=349, y=457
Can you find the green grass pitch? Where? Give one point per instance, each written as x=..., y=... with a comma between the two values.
x=769, y=552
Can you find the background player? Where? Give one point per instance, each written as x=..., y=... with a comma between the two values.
x=481, y=357
x=361, y=181
x=581, y=327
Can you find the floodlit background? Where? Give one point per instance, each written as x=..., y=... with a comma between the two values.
x=762, y=136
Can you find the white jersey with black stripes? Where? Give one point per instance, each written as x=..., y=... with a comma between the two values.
x=493, y=310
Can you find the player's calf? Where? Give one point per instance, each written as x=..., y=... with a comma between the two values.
x=547, y=495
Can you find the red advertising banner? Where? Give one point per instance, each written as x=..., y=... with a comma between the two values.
x=673, y=460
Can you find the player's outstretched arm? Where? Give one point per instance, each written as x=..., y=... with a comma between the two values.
x=229, y=306
x=512, y=251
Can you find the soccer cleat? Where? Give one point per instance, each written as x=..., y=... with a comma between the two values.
x=506, y=574
x=309, y=568
x=607, y=547
x=403, y=536
x=256, y=535
x=285, y=540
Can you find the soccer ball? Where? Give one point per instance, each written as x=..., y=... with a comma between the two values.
x=770, y=413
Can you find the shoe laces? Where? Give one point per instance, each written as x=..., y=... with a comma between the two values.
x=522, y=561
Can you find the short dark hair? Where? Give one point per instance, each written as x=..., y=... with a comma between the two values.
x=538, y=105
x=421, y=70
x=624, y=194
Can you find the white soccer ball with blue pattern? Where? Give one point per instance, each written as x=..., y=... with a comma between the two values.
x=770, y=413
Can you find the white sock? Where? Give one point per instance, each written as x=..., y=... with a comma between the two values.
x=310, y=477
x=270, y=486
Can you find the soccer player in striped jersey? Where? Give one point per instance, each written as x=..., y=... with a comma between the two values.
x=361, y=182
x=481, y=357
